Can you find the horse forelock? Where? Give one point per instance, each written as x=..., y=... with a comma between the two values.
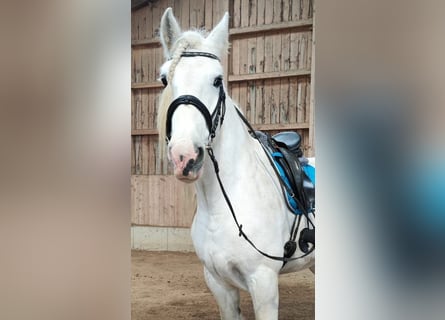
x=188, y=40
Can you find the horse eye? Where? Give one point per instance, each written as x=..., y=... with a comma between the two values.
x=164, y=80
x=218, y=81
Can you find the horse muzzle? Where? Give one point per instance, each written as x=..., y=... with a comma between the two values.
x=187, y=161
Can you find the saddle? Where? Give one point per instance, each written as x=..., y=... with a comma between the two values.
x=297, y=177
x=294, y=171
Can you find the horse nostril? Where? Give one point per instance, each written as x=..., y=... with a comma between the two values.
x=200, y=154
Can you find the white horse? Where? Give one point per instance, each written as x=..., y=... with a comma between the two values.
x=193, y=78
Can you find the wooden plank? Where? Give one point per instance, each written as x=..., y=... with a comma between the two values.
x=146, y=65
x=243, y=99
x=268, y=100
x=236, y=14
x=259, y=103
x=137, y=4
x=149, y=110
x=285, y=51
x=260, y=6
x=137, y=154
x=276, y=52
x=296, y=10
x=286, y=16
x=136, y=70
x=259, y=126
x=281, y=126
x=197, y=8
x=146, y=85
x=208, y=15
x=293, y=91
x=144, y=132
x=145, y=109
x=147, y=157
x=148, y=17
x=234, y=92
x=300, y=101
x=311, y=138
x=220, y=7
x=137, y=110
x=300, y=25
x=268, y=47
x=277, y=11
x=133, y=157
x=185, y=15
x=275, y=99
x=243, y=69
x=310, y=46
x=269, y=75
x=133, y=109
x=134, y=26
x=260, y=54
x=245, y=13
x=234, y=58
x=157, y=12
x=307, y=101
x=268, y=18
x=284, y=100
x=302, y=54
x=251, y=55
x=137, y=16
x=293, y=51
x=306, y=8
x=158, y=157
x=146, y=43
x=252, y=87
x=159, y=60
x=253, y=13
x=161, y=200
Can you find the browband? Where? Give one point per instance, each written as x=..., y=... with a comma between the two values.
x=198, y=54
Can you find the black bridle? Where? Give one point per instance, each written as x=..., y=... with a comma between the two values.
x=212, y=121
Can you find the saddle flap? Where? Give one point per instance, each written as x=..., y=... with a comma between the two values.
x=300, y=183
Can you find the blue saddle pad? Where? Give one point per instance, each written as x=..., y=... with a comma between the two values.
x=308, y=169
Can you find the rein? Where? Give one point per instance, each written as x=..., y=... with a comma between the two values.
x=212, y=122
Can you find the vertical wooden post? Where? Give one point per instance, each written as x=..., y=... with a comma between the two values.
x=311, y=151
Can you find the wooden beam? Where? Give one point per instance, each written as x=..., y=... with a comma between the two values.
x=271, y=28
x=281, y=126
x=262, y=127
x=146, y=85
x=137, y=4
x=144, y=132
x=269, y=75
x=239, y=32
x=146, y=43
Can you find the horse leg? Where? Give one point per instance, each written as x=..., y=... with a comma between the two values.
x=226, y=296
x=263, y=288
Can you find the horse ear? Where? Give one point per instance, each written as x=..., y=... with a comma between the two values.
x=219, y=37
x=169, y=32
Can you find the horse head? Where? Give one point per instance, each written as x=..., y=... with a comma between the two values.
x=192, y=101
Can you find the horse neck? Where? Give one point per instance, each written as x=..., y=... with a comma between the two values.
x=233, y=148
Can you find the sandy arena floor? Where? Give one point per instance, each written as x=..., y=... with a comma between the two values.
x=170, y=285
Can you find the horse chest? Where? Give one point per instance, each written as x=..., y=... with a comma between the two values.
x=218, y=250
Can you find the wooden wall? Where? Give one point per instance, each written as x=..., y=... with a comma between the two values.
x=269, y=74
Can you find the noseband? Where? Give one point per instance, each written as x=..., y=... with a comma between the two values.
x=212, y=120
